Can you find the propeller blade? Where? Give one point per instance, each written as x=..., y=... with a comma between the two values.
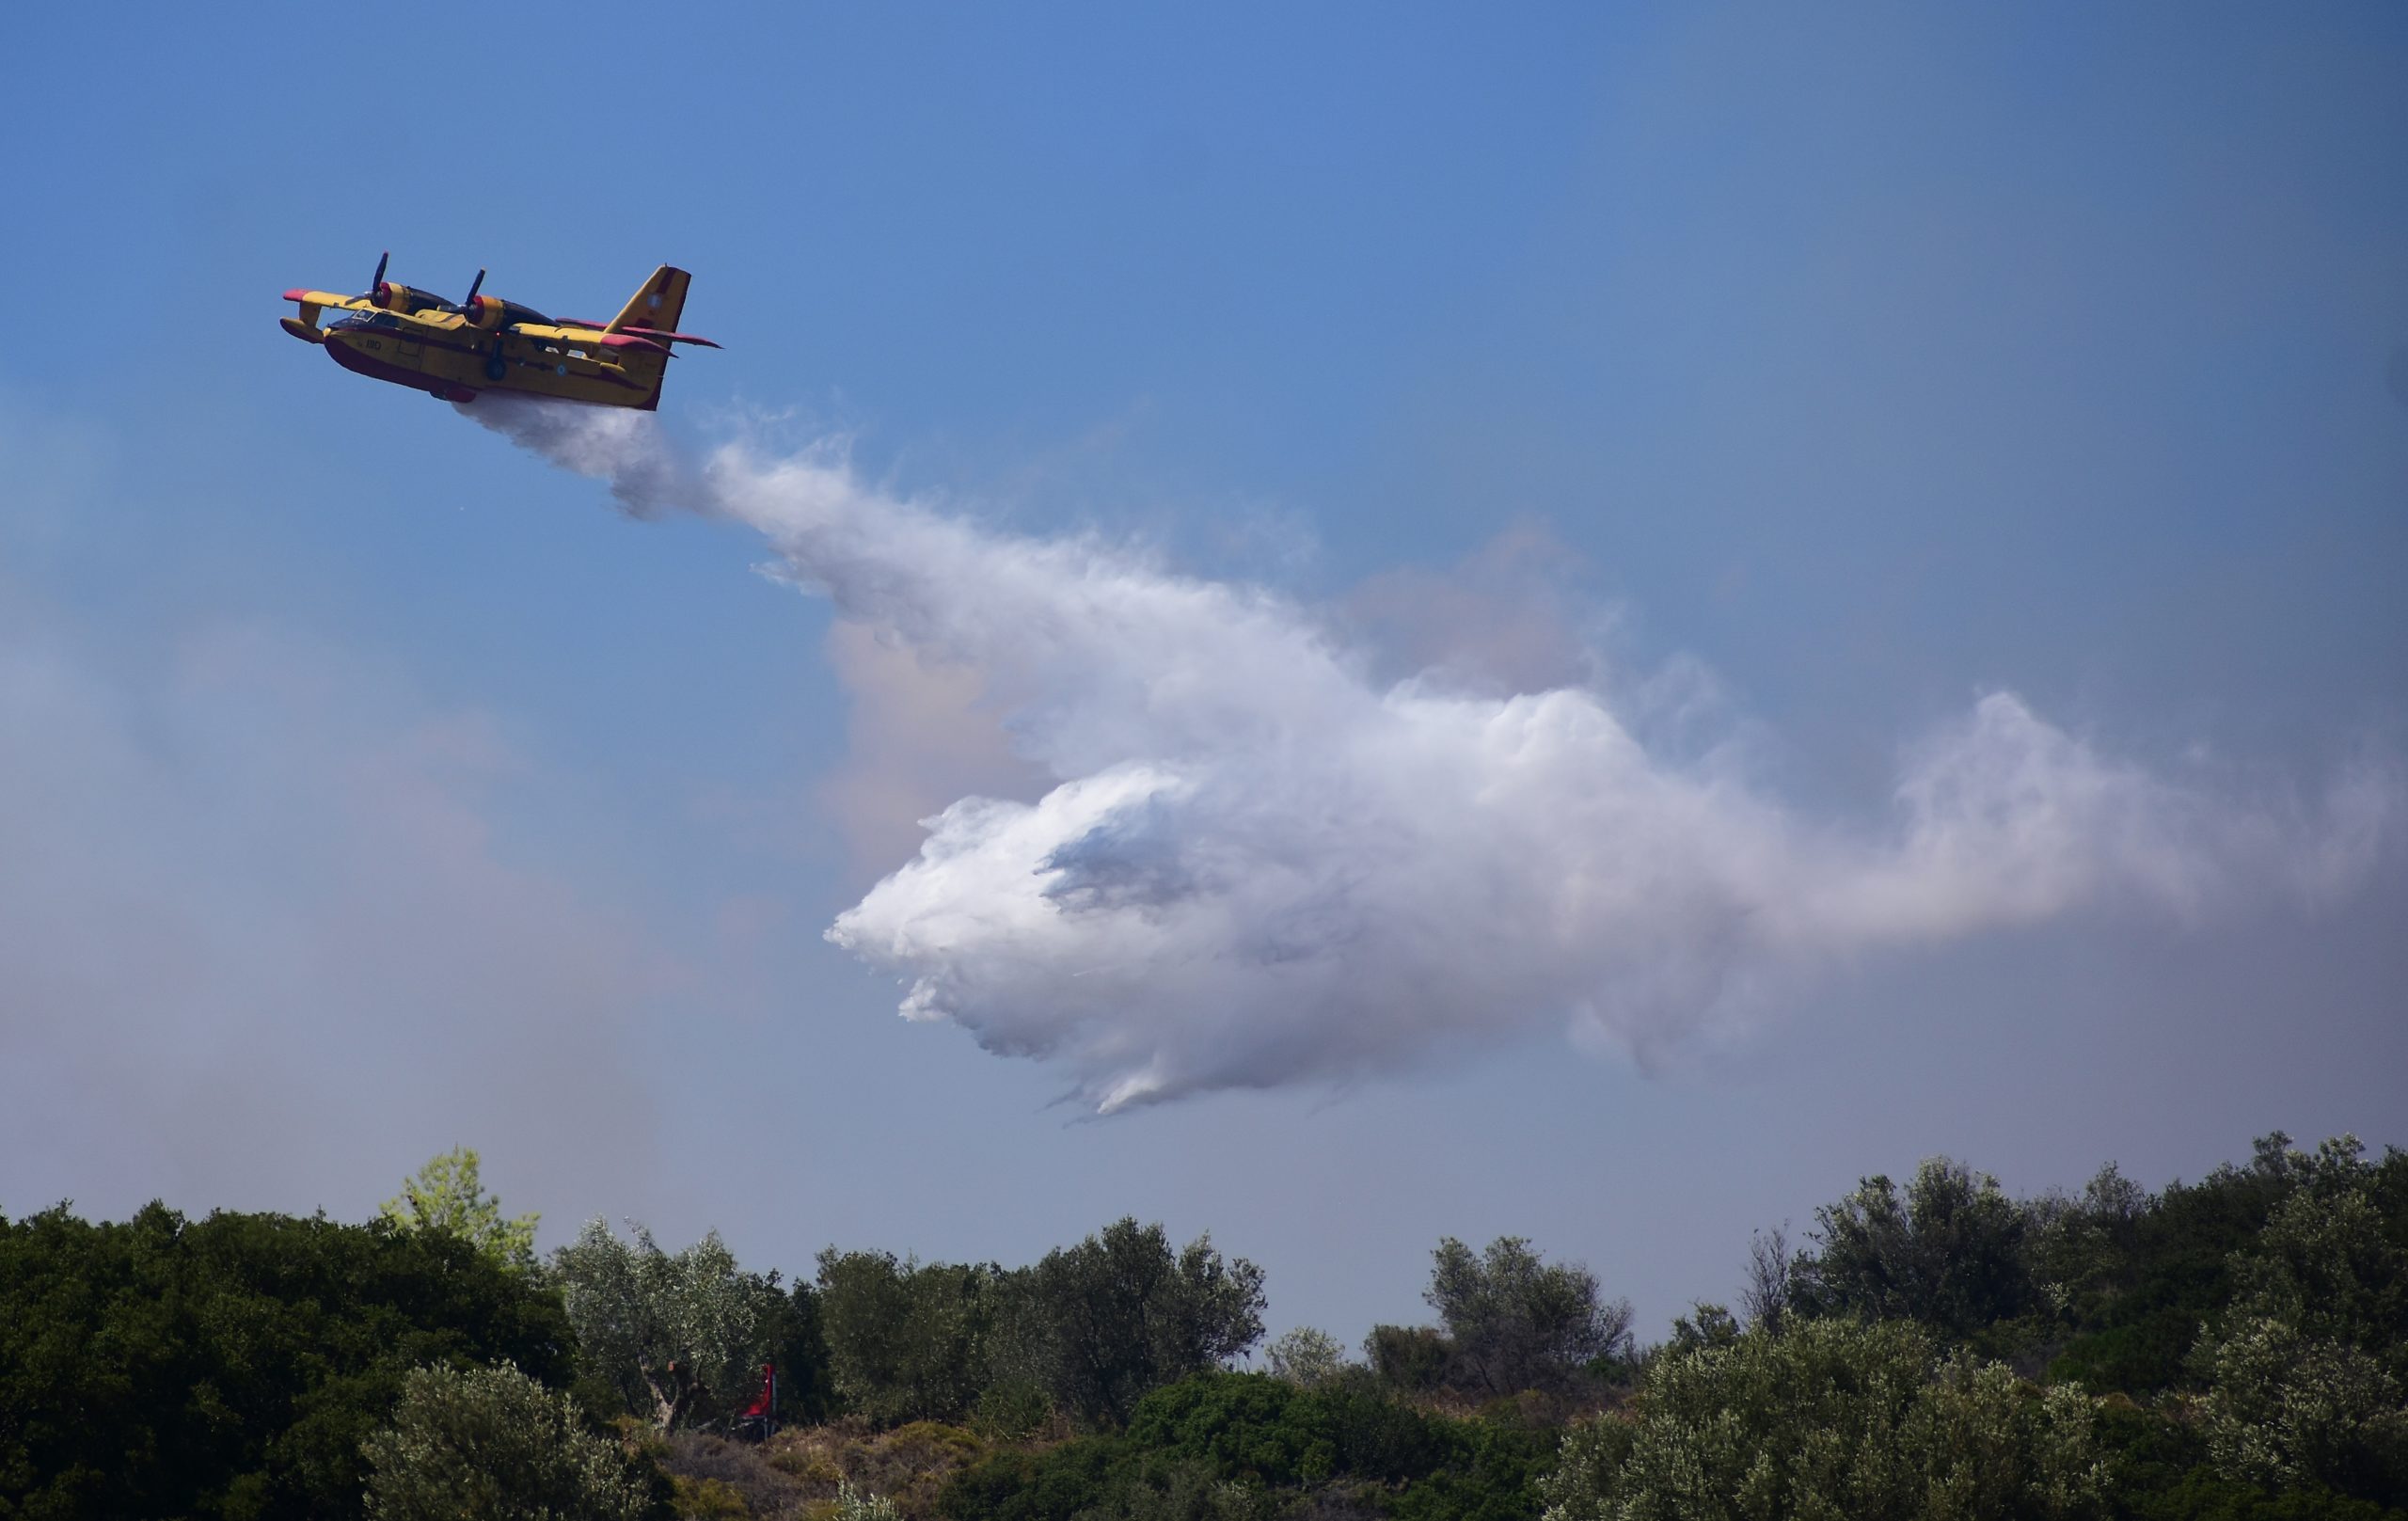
x=474, y=286
x=378, y=278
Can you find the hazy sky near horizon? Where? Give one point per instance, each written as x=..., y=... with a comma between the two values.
x=368, y=786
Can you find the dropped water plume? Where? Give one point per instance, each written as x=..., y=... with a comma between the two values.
x=1253, y=864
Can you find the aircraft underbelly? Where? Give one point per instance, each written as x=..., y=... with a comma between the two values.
x=437, y=363
x=377, y=356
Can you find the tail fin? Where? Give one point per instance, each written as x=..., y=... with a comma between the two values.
x=659, y=305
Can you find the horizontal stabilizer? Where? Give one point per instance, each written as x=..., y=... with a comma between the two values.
x=670, y=337
x=629, y=340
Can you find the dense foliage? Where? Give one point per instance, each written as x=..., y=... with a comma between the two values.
x=1099, y=1325
x=2251, y=1327
x=1947, y=1252
x=1232, y=1445
x=493, y=1443
x=2307, y=1368
x=231, y=1367
x=674, y=1334
x=2230, y=1350
x=1085, y=1332
x=2141, y=1275
x=906, y=1340
x=1515, y=1322
x=449, y=1194
x=1834, y=1417
x=1307, y=1357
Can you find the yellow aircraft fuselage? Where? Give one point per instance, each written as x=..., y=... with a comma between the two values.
x=456, y=368
x=410, y=337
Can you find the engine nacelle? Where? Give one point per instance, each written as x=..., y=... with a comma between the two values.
x=491, y=313
x=405, y=299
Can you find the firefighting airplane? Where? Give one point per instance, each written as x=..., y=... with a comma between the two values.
x=417, y=338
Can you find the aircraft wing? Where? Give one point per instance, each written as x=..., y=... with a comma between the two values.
x=585, y=337
x=327, y=298
x=441, y=322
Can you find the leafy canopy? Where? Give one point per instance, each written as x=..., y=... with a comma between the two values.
x=1948, y=1252
x=1518, y=1322
x=447, y=1196
x=2308, y=1370
x=1305, y=1356
x=906, y=1340
x=493, y=1443
x=1223, y=1446
x=1121, y=1313
x=1832, y=1419
x=680, y=1336
x=230, y=1367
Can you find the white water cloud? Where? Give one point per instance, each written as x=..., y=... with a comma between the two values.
x=1253, y=861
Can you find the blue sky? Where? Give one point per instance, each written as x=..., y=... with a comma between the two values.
x=375, y=787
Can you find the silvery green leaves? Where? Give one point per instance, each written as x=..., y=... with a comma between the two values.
x=679, y=1335
x=1832, y=1419
x=2308, y=1370
x=491, y=1441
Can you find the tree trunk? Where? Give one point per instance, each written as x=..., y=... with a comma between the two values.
x=671, y=1394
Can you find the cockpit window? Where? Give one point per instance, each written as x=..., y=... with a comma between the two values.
x=379, y=318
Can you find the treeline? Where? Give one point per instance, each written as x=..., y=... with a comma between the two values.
x=2234, y=1349
x=236, y=1366
x=1084, y=1333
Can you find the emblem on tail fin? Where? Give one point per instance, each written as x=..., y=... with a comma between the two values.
x=656, y=306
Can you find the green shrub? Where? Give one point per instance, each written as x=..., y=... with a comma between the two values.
x=493, y=1443
x=1833, y=1419
x=1226, y=1445
x=233, y=1366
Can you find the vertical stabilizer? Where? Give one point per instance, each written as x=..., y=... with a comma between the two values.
x=658, y=305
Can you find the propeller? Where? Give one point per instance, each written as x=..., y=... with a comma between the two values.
x=376, y=281
x=474, y=286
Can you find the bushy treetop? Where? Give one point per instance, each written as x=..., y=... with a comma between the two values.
x=446, y=1195
x=679, y=1334
x=493, y=1443
x=231, y=1366
x=1838, y=1420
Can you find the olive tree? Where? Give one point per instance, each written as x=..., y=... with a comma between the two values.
x=2308, y=1369
x=495, y=1444
x=1832, y=1419
x=1947, y=1251
x=679, y=1335
x=1516, y=1321
x=1305, y=1356
x=907, y=1340
x=1099, y=1324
